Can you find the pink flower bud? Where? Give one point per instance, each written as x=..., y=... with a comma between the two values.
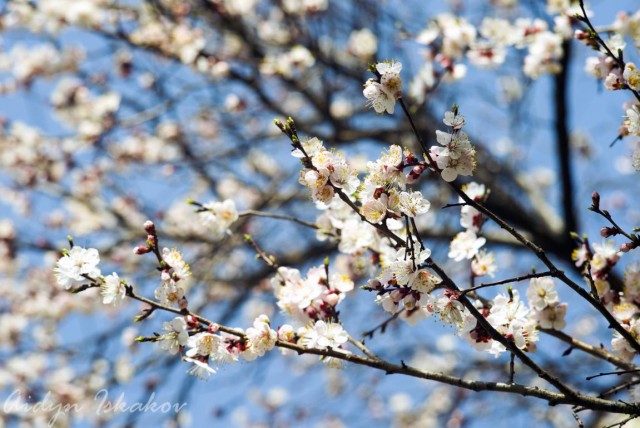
x=411, y=159
x=191, y=321
x=415, y=173
x=580, y=35
x=213, y=328
x=606, y=232
x=627, y=246
x=374, y=284
x=332, y=299
x=149, y=227
x=595, y=200
x=141, y=250
x=311, y=312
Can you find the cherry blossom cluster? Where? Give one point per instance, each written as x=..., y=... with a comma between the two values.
x=311, y=298
x=597, y=261
x=182, y=42
x=323, y=335
x=609, y=65
x=30, y=156
x=159, y=146
x=604, y=68
x=53, y=16
x=371, y=211
x=26, y=64
x=90, y=115
x=457, y=156
x=384, y=197
x=507, y=313
x=450, y=39
x=76, y=265
x=404, y=285
x=310, y=301
x=545, y=304
x=218, y=347
x=79, y=265
x=383, y=92
x=466, y=245
x=510, y=317
x=325, y=171
x=173, y=269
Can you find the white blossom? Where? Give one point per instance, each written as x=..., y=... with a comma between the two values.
x=465, y=245
x=200, y=369
x=176, y=335
x=374, y=210
x=552, y=317
x=76, y=265
x=261, y=338
x=219, y=216
x=112, y=290
x=323, y=335
x=413, y=204
x=542, y=293
x=632, y=75
x=378, y=98
x=484, y=263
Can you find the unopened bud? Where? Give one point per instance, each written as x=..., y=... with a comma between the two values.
x=628, y=246
x=412, y=178
x=149, y=227
x=152, y=241
x=279, y=124
x=595, y=200
x=191, y=321
x=332, y=299
x=292, y=125
x=374, y=284
x=606, y=232
x=213, y=328
x=580, y=35
x=141, y=250
x=183, y=303
x=415, y=173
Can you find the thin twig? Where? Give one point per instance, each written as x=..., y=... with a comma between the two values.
x=512, y=368
x=617, y=373
x=618, y=388
x=383, y=325
x=510, y=280
x=577, y=418
x=622, y=422
x=361, y=346
x=255, y=213
x=595, y=351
